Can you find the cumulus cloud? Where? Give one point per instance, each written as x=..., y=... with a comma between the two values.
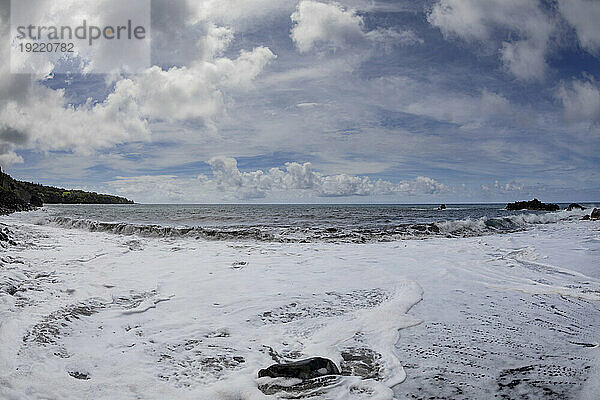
x=45, y=121
x=581, y=101
x=296, y=176
x=331, y=26
x=583, y=15
x=35, y=116
x=184, y=31
x=524, y=20
x=316, y=23
x=181, y=93
x=294, y=180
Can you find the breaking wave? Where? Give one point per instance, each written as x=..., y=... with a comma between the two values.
x=343, y=234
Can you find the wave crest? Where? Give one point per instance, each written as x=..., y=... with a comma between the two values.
x=349, y=234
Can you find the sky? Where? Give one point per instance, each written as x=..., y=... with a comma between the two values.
x=305, y=101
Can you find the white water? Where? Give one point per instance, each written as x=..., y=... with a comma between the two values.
x=181, y=318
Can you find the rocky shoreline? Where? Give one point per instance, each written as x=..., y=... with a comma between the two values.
x=536, y=205
x=533, y=205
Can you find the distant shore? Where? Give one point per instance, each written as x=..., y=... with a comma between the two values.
x=25, y=196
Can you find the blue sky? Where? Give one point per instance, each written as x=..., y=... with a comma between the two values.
x=318, y=101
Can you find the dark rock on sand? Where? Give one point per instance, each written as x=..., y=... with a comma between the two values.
x=533, y=205
x=442, y=207
x=316, y=375
x=304, y=369
x=595, y=213
x=585, y=218
x=8, y=288
x=4, y=236
x=574, y=206
x=10, y=202
x=239, y=264
x=310, y=388
x=79, y=375
x=362, y=362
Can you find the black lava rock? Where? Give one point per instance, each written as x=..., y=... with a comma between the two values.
x=11, y=202
x=533, y=205
x=303, y=369
x=574, y=206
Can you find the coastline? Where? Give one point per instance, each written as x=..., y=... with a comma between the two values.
x=18, y=196
x=170, y=303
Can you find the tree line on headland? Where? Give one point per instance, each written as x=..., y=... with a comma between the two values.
x=23, y=196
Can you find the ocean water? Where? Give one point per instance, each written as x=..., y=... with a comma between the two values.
x=190, y=302
x=299, y=223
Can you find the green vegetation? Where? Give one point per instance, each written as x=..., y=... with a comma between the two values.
x=21, y=196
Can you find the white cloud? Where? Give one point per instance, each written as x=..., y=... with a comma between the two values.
x=294, y=181
x=33, y=116
x=295, y=176
x=229, y=11
x=182, y=93
x=525, y=59
x=331, y=26
x=465, y=19
x=104, y=56
x=8, y=156
x=248, y=185
x=524, y=20
x=509, y=187
x=583, y=15
x=46, y=122
x=461, y=109
x=215, y=41
x=320, y=23
x=581, y=101
x=393, y=37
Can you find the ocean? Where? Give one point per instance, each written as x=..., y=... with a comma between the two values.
x=298, y=223
x=191, y=301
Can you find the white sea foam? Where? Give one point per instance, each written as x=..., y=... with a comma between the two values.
x=361, y=230
x=107, y=316
x=182, y=319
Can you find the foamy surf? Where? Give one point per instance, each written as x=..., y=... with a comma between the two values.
x=188, y=320
x=94, y=314
x=298, y=229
